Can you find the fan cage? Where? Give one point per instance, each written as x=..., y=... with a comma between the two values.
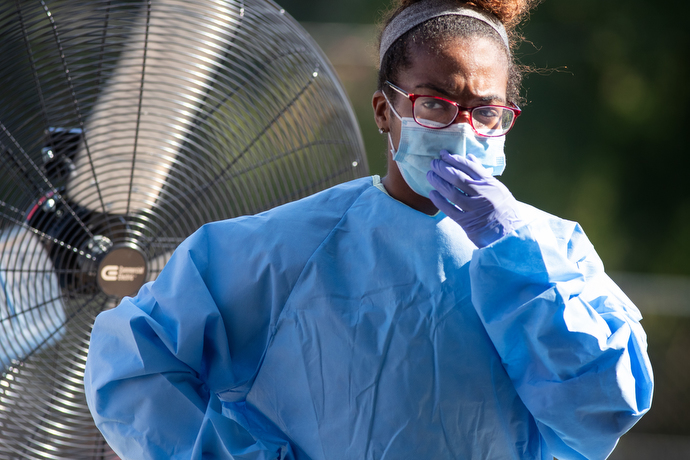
x=129, y=124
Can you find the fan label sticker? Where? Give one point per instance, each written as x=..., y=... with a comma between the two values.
x=122, y=272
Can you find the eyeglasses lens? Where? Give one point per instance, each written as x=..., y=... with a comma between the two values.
x=492, y=121
x=487, y=120
x=434, y=113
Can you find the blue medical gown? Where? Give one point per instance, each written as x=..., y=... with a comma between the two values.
x=350, y=326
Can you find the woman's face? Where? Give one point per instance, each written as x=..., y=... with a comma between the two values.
x=469, y=71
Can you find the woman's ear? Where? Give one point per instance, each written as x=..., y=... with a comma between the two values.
x=381, y=112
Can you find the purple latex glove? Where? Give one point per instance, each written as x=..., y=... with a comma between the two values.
x=467, y=193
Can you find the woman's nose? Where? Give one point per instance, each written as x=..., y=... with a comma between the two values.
x=463, y=116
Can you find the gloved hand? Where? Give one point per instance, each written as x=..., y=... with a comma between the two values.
x=467, y=193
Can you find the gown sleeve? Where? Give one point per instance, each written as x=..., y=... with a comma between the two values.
x=568, y=337
x=158, y=361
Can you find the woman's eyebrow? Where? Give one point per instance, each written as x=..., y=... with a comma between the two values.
x=436, y=88
x=493, y=98
x=447, y=94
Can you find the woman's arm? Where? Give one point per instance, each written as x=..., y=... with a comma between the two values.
x=568, y=337
x=156, y=361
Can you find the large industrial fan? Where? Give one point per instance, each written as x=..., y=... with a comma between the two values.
x=124, y=126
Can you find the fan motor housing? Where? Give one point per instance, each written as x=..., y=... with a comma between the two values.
x=122, y=272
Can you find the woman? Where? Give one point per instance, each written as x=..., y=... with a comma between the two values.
x=362, y=322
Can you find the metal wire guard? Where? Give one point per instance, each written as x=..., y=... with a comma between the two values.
x=128, y=124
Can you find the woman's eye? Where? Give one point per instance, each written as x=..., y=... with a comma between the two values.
x=487, y=113
x=434, y=104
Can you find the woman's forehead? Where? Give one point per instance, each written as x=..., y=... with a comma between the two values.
x=477, y=65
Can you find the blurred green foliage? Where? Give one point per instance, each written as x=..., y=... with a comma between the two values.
x=669, y=352
x=601, y=137
x=350, y=11
x=601, y=140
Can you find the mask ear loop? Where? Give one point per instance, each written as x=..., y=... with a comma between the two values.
x=395, y=112
x=391, y=105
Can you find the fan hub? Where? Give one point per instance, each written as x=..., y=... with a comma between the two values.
x=122, y=272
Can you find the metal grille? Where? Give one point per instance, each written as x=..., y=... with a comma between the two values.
x=128, y=124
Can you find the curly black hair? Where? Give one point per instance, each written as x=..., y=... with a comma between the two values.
x=433, y=33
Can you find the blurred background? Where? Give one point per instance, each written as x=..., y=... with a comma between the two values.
x=601, y=141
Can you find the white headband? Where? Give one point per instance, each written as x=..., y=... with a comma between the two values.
x=429, y=9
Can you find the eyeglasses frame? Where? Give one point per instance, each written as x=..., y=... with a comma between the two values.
x=412, y=97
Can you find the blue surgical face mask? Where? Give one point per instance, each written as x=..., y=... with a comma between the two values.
x=419, y=145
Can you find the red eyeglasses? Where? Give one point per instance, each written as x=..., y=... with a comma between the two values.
x=437, y=113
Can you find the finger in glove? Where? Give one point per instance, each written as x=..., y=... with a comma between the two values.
x=450, y=192
x=470, y=165
x=453, y=176
x=445, y=206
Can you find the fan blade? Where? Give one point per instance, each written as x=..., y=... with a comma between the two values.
x=156, y=264
x=124, y=126
x=148, y=106
x=31, y=308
